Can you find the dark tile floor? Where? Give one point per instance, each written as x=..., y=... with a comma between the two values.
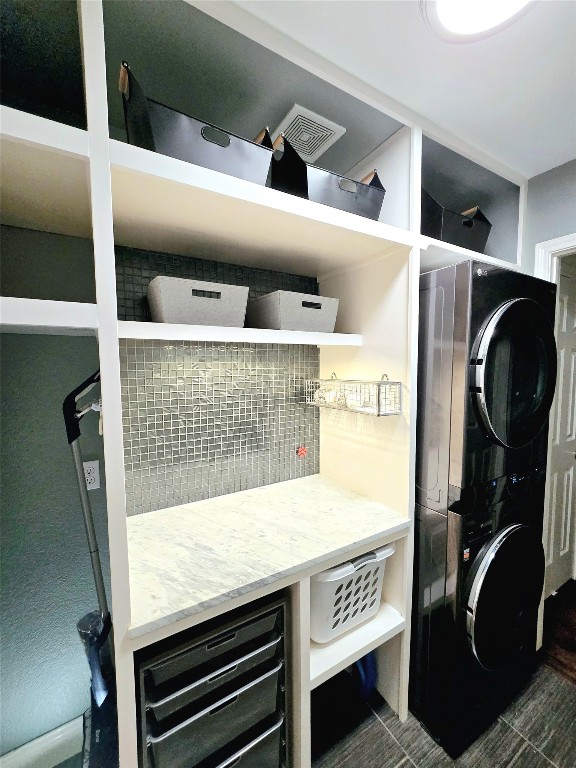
x=560, y=631
x=536, y=731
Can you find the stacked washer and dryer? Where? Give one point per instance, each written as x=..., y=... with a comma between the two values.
x=486, y=379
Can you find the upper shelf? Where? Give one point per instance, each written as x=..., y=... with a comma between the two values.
x=169, y=205
x=44, y=169
x=128, y=329
x=165, y=204
x=58, y=318
x=436, y=254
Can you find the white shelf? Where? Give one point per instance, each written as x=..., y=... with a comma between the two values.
x=436, y=254
x=58, y=318
x=329, y=659
x=49, y=135
x=165, y=204
x=128, y=329
x=44, y=170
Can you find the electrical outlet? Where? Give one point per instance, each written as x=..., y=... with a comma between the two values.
x=92, y=474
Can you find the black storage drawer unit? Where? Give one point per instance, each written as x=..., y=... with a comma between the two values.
x=260, y=752
x=216, y=692
x=208, y=653
x=187, y=744
x=159, y=128
x=162, y=703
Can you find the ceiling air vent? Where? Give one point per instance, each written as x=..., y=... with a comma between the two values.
x=310, y=134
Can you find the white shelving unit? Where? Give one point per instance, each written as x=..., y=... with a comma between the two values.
x=60, y=179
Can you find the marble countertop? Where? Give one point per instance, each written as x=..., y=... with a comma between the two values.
x=186, y=559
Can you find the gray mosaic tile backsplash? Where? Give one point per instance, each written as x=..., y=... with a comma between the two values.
x=136, y=268
x=205, y=419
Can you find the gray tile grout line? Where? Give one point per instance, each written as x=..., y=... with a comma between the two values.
x=528, y=741
x=377, y=716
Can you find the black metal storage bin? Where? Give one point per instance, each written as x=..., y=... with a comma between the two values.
x=161, y=703
x=451, y=227
x=153, y=126
x=343, y=193
x=289, y=173
x=188, y=743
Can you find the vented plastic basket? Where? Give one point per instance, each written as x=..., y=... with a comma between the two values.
x=347, y=595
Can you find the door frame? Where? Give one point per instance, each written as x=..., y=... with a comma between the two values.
x=548, y=254
x=547, y=258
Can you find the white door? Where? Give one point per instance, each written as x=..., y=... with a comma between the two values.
x=560, y=530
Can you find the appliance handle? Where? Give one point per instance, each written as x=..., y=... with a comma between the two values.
x=72, y=415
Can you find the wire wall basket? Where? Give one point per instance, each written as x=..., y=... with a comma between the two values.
x=377, y=398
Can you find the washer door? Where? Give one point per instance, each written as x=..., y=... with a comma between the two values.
x=515, y=372
x=505, y=586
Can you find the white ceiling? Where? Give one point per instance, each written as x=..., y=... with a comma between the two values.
x=511, y=96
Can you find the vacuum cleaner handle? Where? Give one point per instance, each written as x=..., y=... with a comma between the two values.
x=69, y=407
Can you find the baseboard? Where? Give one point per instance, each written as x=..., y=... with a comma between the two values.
x=48, y=750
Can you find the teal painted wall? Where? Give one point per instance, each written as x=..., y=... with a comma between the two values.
x=45, y=575
x=42, y=265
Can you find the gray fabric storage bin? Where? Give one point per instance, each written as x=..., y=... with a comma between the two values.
x=196, y=302
x=289, y=311
x=188, y=743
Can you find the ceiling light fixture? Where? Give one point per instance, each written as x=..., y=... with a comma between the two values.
x=461, y=21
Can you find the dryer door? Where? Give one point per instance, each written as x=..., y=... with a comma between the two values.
x=503, y=594
x=514, y=372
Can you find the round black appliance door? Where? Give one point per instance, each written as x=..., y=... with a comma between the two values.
x=515, y=372
x=503, y=595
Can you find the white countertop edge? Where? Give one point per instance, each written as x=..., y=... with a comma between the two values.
x=303, y=570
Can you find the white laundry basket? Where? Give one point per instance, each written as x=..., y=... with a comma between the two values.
x=347, y=595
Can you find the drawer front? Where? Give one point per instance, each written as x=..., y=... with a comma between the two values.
x=188, y=743
x=210, y=650
x=263, y=752
x=210, y=684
